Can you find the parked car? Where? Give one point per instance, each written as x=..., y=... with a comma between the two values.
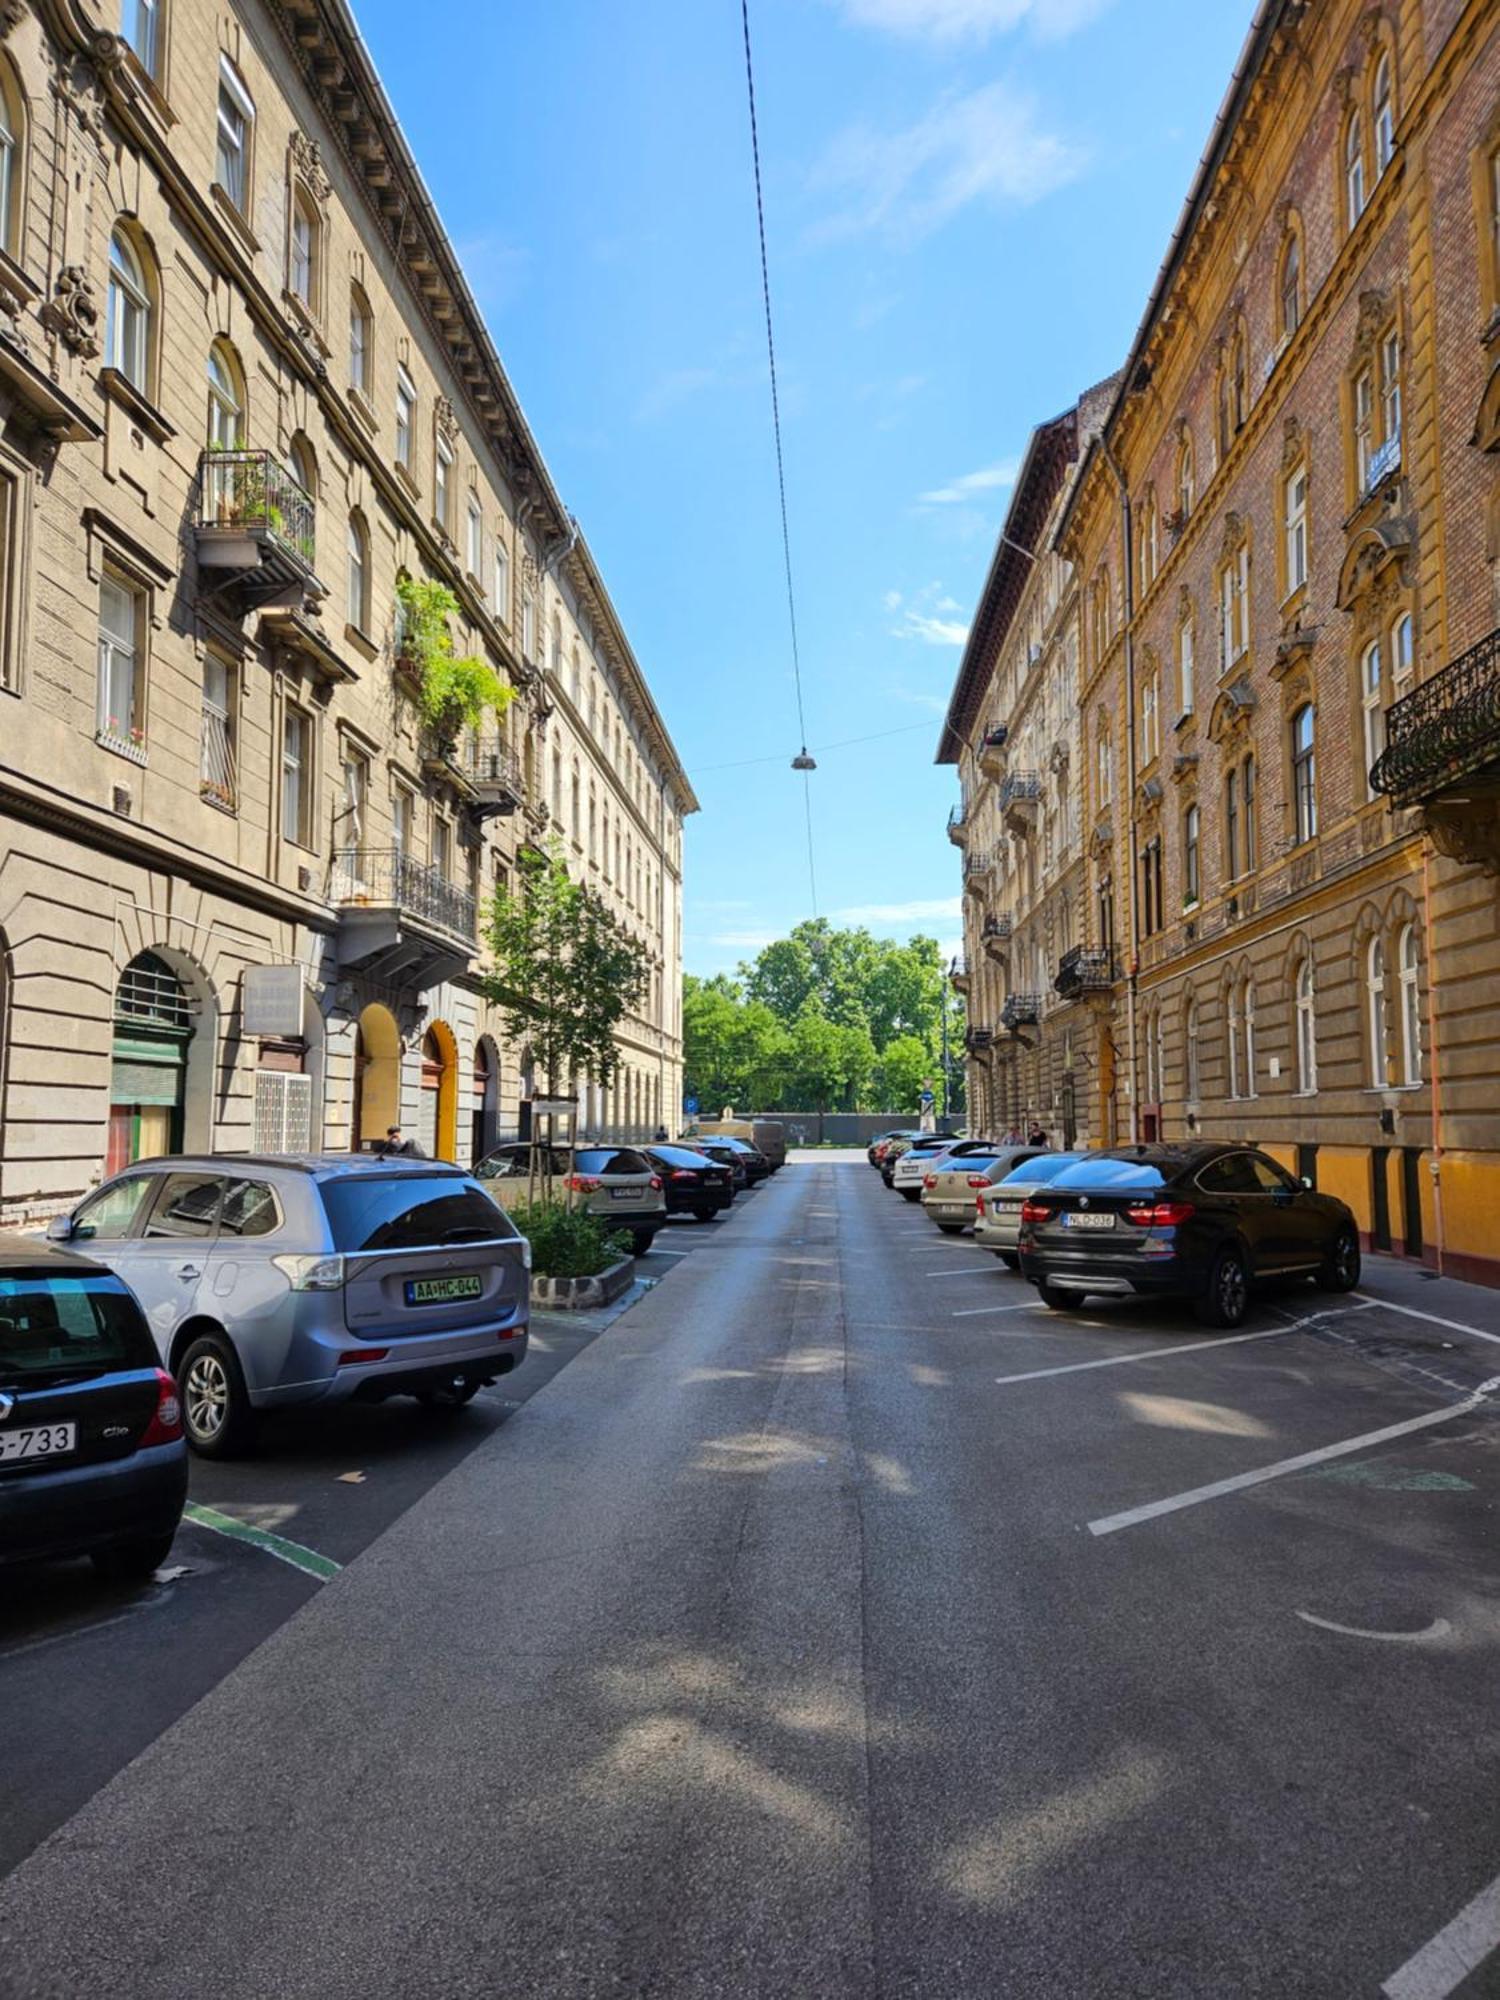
x=1202, y=1221
x=92, y=1458
x=950, y=1187
x=691, y=1183
x=301, y=1278
x=879, y=1146
x=618, y=1184
x=722, y=1155
x=905, y=1172
x=764, y=1135
x=757, y=1166
x=997, y=1221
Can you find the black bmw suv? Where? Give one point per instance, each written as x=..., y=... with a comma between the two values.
x=1200, y=1221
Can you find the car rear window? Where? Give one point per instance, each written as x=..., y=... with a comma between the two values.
x=61, y=1326
x=611, y=1160
x=678, y=1156
x=1045, y=1167
x=1125, y=1176
x=410, y=1212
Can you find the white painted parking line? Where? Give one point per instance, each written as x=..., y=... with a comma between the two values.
x=1453, y=1325
x=1026, y=1306
x=1145, y=1354
x=1460, y=1948
x=1111, y=1523
x=974, y=1271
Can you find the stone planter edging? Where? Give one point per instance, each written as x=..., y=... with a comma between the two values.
x=579, y=1294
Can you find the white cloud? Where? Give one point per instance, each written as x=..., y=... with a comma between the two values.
x=971, y=20
x=988, y=479
x=987, y=145
x=745, y=940
x=933, y=704
x=892, y=600
x=924, y=616
x=932, y=631
x=944, y=909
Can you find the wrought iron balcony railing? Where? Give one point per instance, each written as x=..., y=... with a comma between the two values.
x=958, y=826
x=1084, y=969
x=368, y=877
x=998, y=927
x=976, y=1040
x=1385, y=460
x=978, y=863
x=1018, y=786
x=251, y=493
x=1445, y=731
x=1021, y=1010
x=492, y=768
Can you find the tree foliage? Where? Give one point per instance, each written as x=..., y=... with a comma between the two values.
x=565, y=971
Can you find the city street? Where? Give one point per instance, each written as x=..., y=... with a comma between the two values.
x=836, y=1621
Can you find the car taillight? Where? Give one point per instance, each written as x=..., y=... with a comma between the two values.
x=679, y=1174
x=656, y=1182
x=978, y=1180
x=587, y=1183
x=165, y=1426
x=929, y=1180
x=1158, y=1214
x=1034, y=1211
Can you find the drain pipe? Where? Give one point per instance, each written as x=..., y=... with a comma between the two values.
x=1436, y=1090
x=1132, y=895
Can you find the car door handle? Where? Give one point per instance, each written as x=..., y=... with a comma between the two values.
x=189, y=1271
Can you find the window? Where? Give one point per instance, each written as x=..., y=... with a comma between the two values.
x=1375, y=1014
x=1291, y=287
x=1390, y=392
x=1306, y=1026
x=1296, y=530
x=1354, y=171
x=1239, y=383
x=1372, y=706
x=557, y=785
x=9, y=177
x=128, y=313
x=1247, y=1026
x=1106, y=769
x=304, y=243
x=1234, y=607
x=556, y=661
x=296, y=777
x=358, y=605
x=475, y=556
x=226, y=415
x=216, y=773
x=1247, y=800
x=1151, y=900
x=122, y=707
x=1185, y=478
x=528, y=624
x=1185, y=666
x=140, y=24
x=354, y=812
x=1411, y=1015
x=1232, y=1039
x=1192, y=1058
x=442, y=848
x=1385, y=120
x=502, y=582
x=1150, y=720
x=406, y=414
x=1304, y=773
x=236, y=122
x=1147, y=541
x=1364, y=427
x=1401, y=655
x=442, y=483
x=1232, y=824
x=1494, y=195
x=1191, y=877
x=403, y=820
x=361, y=338
x=575, y=821
x=575, y=674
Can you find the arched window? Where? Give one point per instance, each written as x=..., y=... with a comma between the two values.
x=1375, y=1013
x=1191, y=869
x=1291, y=286
x=1354, y=169
x=127, y=333
x=1401, y=656
x=1385, y=116
x=153, y=1030
x=1192, y=1064
x=226, y=399
x=1239, y=370
x=11, y=134
x=556, y=661
x=1247, y=1024
x=1372, y=708
x=304, y=466
x=361, y=341
x=1185, y=478
x=1304, y=773
x=1305, y=1005
x=358, y=605
x=302, y=258
x=1411, y=1005
x=1232, y=1035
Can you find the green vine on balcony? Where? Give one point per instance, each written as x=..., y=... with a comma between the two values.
x=454, y=692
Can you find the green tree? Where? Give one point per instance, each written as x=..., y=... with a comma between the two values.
x=565, y=971
x=904, y=1066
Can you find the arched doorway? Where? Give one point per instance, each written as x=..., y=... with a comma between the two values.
x=377, y=1076
x=486, y=1101
x=153, y=1028
x=437, y=1103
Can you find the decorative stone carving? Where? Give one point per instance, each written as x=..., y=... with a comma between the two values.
x=1374, y=313
x=1292, y=443
x=12, y=14
x=1234, y=534
x=1467, y=830
x=446, y=421
x=72, y=313
x=308, y=161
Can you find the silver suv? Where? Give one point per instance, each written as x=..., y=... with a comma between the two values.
x=308, y=1278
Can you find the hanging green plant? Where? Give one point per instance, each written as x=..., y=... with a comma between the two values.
x=453, y=692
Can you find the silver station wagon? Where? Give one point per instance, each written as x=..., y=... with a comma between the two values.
x=269, y=1281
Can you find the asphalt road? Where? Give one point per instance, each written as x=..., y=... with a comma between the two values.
x=836, y=1624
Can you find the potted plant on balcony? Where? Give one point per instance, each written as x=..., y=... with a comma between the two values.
x=453, y=692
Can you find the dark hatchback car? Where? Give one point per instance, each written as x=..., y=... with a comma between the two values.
x=757, y=1166
x=723, y=1155
x=92, y=1458
x=1204, y=1222
x=692, y=1184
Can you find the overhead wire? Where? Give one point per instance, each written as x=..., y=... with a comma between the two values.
x=819, y=749
x=786, y=536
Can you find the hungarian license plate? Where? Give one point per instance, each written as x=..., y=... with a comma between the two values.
x=1005, y=1208
x=442, y=1291
x=42, y=1441
x=626, y=1194
x=1078, y=1219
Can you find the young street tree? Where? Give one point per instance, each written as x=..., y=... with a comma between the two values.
x=566, y=971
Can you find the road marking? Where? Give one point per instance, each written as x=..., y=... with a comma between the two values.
x=975, y=1271
x=1453, y=1325
x=1111, y=1523
x=1438, y=1629
x=1443, y=1965
x=324, y=1568
x=1145, y=1354
x=973, y=1312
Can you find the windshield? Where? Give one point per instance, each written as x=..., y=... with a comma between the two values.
x=678, y=1156
x=610, y=1160
x=52, y=1326
x=1127, y=1176
x=410, y=1212
x=1046, y=1168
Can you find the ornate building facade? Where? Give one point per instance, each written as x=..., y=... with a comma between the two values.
x=1286, y=540
x=244, y=389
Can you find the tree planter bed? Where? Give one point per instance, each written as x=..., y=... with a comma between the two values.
x=580, y=1294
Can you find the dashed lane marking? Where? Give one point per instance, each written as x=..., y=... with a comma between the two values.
x=324, y=1568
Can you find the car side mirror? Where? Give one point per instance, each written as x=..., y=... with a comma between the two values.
x=60, y=1228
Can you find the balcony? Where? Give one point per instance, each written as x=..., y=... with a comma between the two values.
x=1020, y=800
x=1021, y=1010
x=977, y=868
x=995, y=935
x=958, y=973
x=491, y=771
x=958, y=826
x=1084, y=970
x=978, y=1041
x=400, y=919
x=992, y=750
x=255, y=530
x=1383, y=462
x=1442, y=754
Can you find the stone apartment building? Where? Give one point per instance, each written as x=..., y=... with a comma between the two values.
x=244, y=388
x=1287, y=545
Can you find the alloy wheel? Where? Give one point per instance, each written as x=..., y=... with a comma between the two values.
x=206, y=1397
x=1232, y=1288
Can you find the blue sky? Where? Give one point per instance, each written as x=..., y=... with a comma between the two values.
x=967, y=203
